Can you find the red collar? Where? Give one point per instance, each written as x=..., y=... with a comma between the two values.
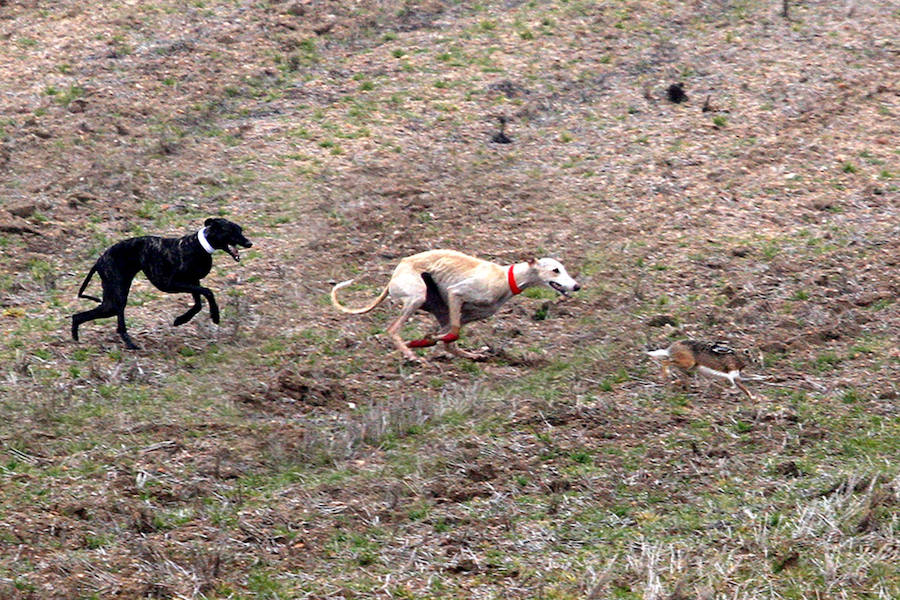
x=512, y=281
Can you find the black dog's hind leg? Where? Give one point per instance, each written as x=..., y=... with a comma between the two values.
x=115, y=297
x=191, y=312
x=123, y=332
x=106, y=309
x=102, y=311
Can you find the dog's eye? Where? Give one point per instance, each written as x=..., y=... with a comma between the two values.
x=556, y=271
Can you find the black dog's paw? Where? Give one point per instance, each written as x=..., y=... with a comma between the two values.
x=214, y=317
x=126, y=339
x=180, y=320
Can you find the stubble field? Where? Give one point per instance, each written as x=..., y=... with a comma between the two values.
x=289, y=453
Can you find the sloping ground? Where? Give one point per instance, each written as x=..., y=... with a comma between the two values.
x=288, y=453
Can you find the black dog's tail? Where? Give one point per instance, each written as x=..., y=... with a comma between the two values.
x=84, y=285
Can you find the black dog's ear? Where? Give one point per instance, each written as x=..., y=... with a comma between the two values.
x=208, y=222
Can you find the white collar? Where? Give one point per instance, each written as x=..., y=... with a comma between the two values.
x=201, y=237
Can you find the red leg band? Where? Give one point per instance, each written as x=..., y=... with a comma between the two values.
x=423, y=343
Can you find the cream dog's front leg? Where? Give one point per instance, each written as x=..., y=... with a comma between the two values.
x=454, y=304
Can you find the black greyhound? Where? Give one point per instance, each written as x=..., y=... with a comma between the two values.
x=174, y=265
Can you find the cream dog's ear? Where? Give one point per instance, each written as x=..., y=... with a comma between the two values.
x=532, y=261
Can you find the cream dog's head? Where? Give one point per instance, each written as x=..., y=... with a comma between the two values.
x=554, y=275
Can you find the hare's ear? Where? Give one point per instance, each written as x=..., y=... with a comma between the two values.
x=208, y=222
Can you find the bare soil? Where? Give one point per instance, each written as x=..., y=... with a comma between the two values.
x=289, y=452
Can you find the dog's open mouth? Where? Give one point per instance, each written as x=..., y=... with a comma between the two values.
x=233, y=251
x=559, y=288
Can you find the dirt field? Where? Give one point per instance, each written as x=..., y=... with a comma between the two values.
x=289, y=453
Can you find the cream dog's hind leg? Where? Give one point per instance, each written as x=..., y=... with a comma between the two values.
x=410, y=306
x=407, y=287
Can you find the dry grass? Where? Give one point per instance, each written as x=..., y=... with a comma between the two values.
x=287, y=453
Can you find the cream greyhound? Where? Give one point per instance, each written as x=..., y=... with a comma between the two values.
x=457, y=289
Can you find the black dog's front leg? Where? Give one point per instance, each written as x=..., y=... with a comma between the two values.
x=194, y=289
x=187, y=316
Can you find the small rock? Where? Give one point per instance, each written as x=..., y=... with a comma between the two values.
x=661, y=320
x=789, y=469
x=867, y=298
x=869, y=522
x=466, y=565
x=676, y=94
x=287, y=24
x=208, y=180
x=311, y=388
x=77, y=106
x=508, y=88
x=79, y=198
x=324, y=27
x=774, y=346
x=784, y=563
x=296, y=9
x=6, y=227
x=827, y=334
x=484, y=472
x=22, y=210
x=740, y=251
x=559, y=485
x=501, y=137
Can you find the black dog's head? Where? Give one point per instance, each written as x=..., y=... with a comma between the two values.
x=222, y=234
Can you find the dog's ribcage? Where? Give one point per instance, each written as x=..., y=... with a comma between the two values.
x=476, y=312
x=436, y=304
x=173, y=259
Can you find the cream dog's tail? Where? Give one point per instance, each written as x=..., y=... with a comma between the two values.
x=663, y=353
x=355, y=311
